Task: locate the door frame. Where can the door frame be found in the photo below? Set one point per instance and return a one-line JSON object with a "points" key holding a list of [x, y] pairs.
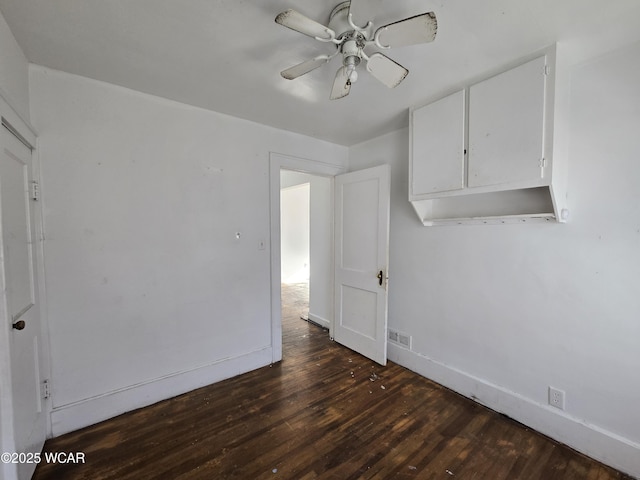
{"points": [[277, 162]]}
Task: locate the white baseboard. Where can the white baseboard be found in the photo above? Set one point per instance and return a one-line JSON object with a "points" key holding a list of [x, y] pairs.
{"points": [[596, 442], [74, 416], [323, 322]]}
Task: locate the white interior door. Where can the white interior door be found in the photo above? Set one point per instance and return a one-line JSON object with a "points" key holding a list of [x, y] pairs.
{"points": [[362, 257], [22, 419]]}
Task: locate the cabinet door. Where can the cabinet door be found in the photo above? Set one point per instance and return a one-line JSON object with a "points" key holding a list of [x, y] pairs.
{"points": [[437, 156], [506, 126]]}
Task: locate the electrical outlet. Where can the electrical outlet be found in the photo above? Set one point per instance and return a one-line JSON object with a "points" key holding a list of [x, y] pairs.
{"points": [[556, 398]]}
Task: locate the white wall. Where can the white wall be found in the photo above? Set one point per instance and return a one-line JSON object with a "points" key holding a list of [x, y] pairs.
{"points": [[502, 312], [294, 233], [149, 292], [321, 252], [14, 72]]}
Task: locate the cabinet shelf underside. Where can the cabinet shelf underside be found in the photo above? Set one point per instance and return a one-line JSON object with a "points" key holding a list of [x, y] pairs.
{"points": [[530, 204]]}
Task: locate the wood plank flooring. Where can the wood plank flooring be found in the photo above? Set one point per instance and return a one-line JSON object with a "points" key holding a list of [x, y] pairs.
{"points": [[324, 412]]}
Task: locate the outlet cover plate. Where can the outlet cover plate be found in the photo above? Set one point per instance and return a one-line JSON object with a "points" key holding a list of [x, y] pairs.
{"points": [[556, 398]]}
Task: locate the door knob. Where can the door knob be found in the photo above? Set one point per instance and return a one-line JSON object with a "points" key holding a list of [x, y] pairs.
{"points": [[19, 325]]}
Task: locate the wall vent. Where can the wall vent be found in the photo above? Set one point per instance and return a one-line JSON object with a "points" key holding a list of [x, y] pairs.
{"points": [[404, 340], [399, 338]]}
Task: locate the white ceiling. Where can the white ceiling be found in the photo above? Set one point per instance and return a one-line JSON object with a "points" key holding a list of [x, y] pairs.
{"points": [[226, 55]]}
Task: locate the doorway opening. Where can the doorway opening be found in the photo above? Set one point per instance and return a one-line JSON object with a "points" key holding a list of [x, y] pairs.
{"points": [[305, 246]]}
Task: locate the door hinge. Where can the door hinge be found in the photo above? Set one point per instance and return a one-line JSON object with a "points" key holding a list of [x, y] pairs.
{"points": [[35, 190], [46, 390], [543, 162], [547, 69]]}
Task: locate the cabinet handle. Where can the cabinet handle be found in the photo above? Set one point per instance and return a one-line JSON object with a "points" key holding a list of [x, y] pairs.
{"points": [[380, 276]]}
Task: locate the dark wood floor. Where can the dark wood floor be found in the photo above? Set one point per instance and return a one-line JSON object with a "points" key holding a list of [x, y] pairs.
{"points": [[323, 412]]}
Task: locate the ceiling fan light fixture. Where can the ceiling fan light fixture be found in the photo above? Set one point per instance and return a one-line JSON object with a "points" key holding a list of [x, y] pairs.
{"points": [[352, 55], [352, 74], [350, 62]]}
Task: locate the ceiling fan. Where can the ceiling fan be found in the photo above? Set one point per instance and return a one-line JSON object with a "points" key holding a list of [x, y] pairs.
{"points": [[351, 40]]}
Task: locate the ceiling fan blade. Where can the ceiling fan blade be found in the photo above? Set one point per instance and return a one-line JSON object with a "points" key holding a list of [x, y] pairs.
{"points": [[410, 31], [298, 22], [341, 84], [305, 67], [386, 70], [363, 10]]}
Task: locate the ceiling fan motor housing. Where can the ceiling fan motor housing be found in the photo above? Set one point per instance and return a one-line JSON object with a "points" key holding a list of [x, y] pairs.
{"points": [[352, 48]]}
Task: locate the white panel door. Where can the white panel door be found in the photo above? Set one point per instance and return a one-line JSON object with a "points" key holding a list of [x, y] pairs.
{"points": [[23, 420], [437, 146], [506, 126], [362, 257]]}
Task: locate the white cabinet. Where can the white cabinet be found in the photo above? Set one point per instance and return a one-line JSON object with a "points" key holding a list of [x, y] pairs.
{"points": [[495, 151]]}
